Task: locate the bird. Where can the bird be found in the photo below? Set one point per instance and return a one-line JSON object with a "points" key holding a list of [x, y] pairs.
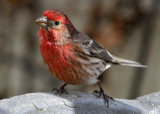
{"points": [[73, 57]]}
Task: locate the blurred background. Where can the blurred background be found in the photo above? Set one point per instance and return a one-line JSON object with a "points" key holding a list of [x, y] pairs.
{"points": [[127, 28]]}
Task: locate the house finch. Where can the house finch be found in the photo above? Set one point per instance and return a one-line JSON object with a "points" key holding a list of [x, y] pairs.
{"points": [[72, 56]]}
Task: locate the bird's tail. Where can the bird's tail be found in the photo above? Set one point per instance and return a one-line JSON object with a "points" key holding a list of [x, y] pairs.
{"points": [[126, 62]]}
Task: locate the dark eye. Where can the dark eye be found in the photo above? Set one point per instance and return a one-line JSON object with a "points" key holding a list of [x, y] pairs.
{"points": [[57, 23]]}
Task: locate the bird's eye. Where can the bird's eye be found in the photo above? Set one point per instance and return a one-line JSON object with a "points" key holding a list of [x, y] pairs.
{"points": [[57, 23]]}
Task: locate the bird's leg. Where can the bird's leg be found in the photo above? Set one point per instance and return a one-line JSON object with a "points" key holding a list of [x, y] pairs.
{"points": [[102, 93], [61, 90]]}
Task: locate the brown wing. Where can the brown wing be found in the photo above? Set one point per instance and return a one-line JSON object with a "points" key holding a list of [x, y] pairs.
{"points": [[93, 49]]}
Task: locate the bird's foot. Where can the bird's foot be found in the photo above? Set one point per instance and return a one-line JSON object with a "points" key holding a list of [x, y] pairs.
{"points": [[61, 90], [102, 93]]}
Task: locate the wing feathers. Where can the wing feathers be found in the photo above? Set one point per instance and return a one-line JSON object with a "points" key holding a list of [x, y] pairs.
{"points": [[93, 49]]}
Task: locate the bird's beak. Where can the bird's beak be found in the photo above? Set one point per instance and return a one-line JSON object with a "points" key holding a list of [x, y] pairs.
{"points": [[42, 21]]}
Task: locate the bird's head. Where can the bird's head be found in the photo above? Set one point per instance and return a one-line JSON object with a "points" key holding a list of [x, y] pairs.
{"points": [[56, 23]]}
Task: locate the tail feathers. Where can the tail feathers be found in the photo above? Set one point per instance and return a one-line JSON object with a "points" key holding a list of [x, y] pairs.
{"points": [[126, 62]]}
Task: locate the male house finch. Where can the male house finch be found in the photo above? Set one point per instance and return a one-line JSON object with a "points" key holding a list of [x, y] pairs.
{"points": [[71, 56]]}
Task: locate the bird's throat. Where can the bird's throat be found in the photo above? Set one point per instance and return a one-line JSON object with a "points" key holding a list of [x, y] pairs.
{"points": [[54, 36]]}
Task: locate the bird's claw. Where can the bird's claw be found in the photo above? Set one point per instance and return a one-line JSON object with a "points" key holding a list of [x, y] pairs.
{"points": [[61, 90], [97, 93], [105, 96]]}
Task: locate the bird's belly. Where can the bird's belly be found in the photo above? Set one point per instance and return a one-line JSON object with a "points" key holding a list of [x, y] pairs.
{"points": [[67, 72], [92, 67]]}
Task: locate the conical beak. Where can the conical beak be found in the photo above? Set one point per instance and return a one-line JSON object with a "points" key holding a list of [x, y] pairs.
{"points": [[42, 21]]}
